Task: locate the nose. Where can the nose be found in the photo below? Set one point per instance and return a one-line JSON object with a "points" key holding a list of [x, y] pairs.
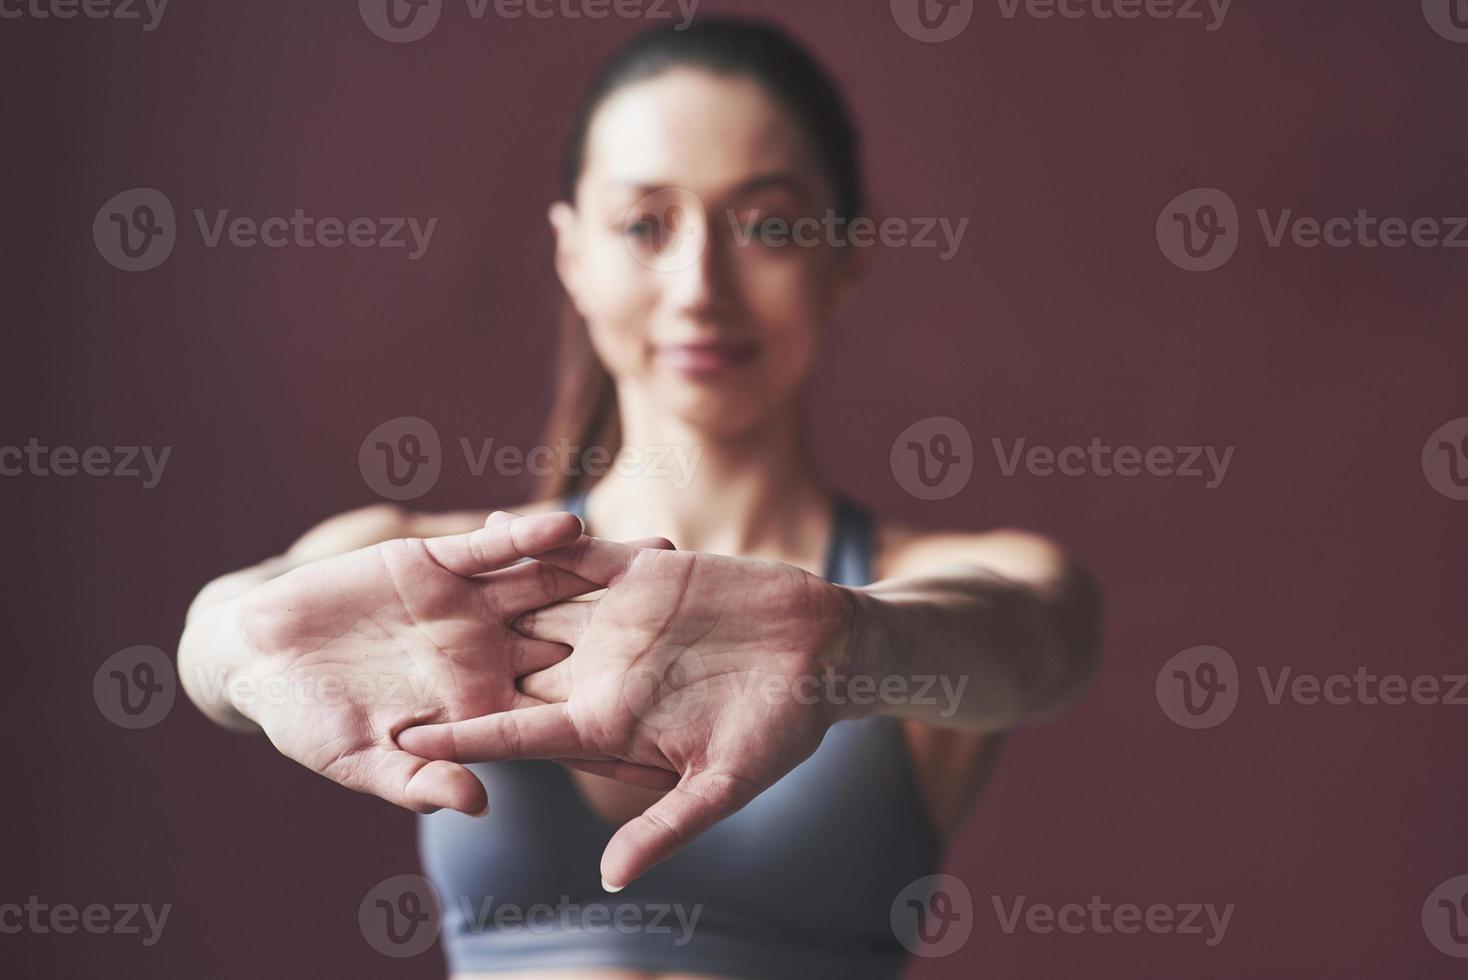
{"points": [[700, 287]]}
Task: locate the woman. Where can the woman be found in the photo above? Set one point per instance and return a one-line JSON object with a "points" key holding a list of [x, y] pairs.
{"points": [[745, 724]]}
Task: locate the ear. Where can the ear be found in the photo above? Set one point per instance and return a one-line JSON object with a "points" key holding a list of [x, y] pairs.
{"points": [[562, 217]]}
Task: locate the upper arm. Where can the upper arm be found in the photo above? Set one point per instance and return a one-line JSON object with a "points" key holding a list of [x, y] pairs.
{"points": [[351, 530], [951, 765], [1019, 556]]}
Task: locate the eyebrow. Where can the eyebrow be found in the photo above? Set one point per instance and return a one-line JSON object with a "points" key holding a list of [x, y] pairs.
{"points": [[777, 180]]}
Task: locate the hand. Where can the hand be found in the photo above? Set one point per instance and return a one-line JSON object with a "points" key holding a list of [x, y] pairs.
{"points": [[336, 657], [691, 663]]}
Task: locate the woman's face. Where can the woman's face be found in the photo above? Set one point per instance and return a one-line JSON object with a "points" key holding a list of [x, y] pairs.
{"points": [[670, 252]]}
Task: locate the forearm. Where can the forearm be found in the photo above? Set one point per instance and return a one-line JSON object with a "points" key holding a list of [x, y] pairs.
{"points": [[970, 649]]}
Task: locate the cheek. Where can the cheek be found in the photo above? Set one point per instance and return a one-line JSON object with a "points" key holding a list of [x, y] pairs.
{"points": [[617, 298], [790, 296]]}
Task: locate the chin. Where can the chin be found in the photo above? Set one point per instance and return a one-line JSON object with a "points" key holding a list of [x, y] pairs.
{"points": [[720, 411]]}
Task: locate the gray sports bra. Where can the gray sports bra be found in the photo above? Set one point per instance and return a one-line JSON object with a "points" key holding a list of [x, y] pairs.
{"points": [[798, 884]]}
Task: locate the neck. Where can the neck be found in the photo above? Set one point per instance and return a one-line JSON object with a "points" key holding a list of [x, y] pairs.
{"points": [[755, 493]]}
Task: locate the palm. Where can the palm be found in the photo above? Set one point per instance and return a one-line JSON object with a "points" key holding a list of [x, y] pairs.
{"points": [[348, 651], [696, 665], [689, 665]]}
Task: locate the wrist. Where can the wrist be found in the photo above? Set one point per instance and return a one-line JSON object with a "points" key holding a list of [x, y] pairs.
{"points": [[853, 668], [211, 656]]}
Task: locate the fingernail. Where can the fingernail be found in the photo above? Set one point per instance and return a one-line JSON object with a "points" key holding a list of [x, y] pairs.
{"points": [[611, 888]]}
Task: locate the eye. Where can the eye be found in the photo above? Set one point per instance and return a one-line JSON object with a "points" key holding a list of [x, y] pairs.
{"points": [[773, 224], [642, 228], [764, 227]]}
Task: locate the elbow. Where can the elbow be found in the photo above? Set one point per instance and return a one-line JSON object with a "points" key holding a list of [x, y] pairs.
{"points": [[1068, 619]]}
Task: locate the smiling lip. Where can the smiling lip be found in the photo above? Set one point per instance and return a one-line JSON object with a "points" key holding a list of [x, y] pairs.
{"points": [[706, 358]]}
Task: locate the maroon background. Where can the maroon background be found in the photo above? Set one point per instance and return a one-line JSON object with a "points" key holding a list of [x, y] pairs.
{"points": [[1325, 548]]}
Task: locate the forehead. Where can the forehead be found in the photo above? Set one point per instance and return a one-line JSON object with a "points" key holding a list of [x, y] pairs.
{"points": [[695, 129]]}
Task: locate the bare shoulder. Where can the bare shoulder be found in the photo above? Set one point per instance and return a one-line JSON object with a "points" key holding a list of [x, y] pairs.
{"points": [[1015, 553]]}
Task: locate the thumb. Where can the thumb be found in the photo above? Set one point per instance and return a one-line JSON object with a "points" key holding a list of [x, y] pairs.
{"points": [[503, 542], [417, 784], [698, 802]]}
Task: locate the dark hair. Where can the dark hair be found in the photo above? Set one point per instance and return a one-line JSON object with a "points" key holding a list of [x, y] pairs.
{"points": [[585, 408]]}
